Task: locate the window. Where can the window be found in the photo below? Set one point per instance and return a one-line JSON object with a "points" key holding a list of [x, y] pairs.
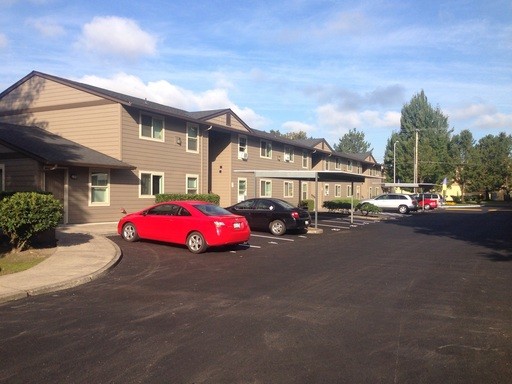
{"points": [[265, 149], [326, 164], [192, 183], [288, 189], [359, 169], [337, 190], [151, 184], [192, 138], [326, 189], [152, 127], [265, 188], [288, 154], [99, 192], [305, 159], [338, 163], [304, 191], [349, 190], [358, 192], [242, 147], [2, 177], [349, 166]]}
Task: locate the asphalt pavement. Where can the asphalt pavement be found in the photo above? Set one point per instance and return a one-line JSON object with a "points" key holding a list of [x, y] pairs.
{"points": [[83, 253]]}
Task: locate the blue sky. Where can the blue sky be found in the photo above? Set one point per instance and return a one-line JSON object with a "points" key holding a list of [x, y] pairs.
{"points": [[324, 67]]}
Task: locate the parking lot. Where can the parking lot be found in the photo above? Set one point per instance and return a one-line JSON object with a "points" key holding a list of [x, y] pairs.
{"points": [[422, 298]]}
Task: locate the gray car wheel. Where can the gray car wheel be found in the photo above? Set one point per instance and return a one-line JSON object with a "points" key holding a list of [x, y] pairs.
{"points": [[277, 228], [196, 243], [403, 209], [129, 232]]}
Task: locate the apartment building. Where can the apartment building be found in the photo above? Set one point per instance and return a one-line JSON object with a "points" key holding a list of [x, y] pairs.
{"points": [[102, 152]]}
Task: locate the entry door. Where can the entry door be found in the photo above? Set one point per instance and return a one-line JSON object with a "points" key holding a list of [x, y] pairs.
{"points": [[55, 182], [242, 189]]}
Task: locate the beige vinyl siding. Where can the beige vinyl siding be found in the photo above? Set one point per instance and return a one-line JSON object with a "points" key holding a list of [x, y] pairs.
{"points": [[22, 174], [223, 182], [233, 122]]}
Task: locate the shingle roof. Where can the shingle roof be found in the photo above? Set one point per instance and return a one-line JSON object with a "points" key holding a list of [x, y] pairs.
{"points": [[49, 148]]}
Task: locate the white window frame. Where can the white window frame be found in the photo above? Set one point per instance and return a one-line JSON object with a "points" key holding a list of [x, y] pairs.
{"points": [[305, 159], [190, 139], [187, 177], [337, 165], [242, 150], [326, 189], [265, 182], [349, 190], [349, 165], [304, 190], [152, 174], [358, 191], [337, 190], [152, 137], [288, 189], [106, 188], [265, 149], [326, 164], [359, 168], [2, 177], [289, 156]]}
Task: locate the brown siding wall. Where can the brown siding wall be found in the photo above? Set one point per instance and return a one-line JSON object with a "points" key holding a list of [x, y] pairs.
{"points": [[22, 174]]}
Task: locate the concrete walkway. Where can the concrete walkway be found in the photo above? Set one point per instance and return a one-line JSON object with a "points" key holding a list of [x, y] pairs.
{"points": [[83, 253]]}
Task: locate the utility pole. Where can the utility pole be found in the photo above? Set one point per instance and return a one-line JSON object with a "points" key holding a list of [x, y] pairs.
{"points": [[416, 160]]}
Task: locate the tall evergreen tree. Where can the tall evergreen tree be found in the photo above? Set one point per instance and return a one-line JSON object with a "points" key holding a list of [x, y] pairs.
{"points": [[431, 126], [352, 142], [463, 153]]}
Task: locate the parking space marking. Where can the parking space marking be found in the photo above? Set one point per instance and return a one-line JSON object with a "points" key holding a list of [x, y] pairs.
{"points": [[333, 226], [272, 237]]}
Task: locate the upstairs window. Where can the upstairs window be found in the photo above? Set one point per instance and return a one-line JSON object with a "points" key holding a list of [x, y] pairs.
{"points": [[151, 127], [242, 147], [305, 157], [265, 149], [288, 154], [349, 166], [192, 138], [337, 165]]}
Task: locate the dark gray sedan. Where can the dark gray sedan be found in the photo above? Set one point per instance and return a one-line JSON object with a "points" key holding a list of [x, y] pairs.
{"points": [[274, 215]]}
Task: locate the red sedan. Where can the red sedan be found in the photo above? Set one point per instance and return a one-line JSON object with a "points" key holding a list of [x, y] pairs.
{"points": [[425, 202], [196, 224]]}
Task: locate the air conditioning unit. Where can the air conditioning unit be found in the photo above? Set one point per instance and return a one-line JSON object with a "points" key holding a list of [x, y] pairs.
{"points": [[244, 155], [286, 157]]}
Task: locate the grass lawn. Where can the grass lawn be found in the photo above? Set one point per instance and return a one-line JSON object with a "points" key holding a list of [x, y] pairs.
{"points": [[12, 262]]}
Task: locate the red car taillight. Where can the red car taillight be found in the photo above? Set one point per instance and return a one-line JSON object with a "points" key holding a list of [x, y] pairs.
{"points": [[295, 215]]}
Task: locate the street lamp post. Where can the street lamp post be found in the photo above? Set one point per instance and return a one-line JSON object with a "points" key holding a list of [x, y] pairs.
{"points": [[394, 161], [416, 160]]}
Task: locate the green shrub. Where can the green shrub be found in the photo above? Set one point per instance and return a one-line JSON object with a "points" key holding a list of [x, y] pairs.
{"points": [[23, 215], [308, 204], [339, 205], [367, 208], [210, 197]]}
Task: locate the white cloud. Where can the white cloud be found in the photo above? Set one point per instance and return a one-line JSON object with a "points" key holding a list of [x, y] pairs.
{"points": [[45, 27], [116, 36], [165, 93], [496, 121], [471, 111]]}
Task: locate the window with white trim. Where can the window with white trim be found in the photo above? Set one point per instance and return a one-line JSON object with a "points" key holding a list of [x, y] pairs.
{"points": [[265, 188], [2, 177], [337, 190], [358, 192], [305, 156], [304, 191], [337, 165], [326, 164], [349, 165], [349, 190], [99, 187], [326, 189], [288, 154], [266, 149], [242, 147], [192, 138], [359, 168], [151, 127], [151, 183], [192, 184], [288, 189]]}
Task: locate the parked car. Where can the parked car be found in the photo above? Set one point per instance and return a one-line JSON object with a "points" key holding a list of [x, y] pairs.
{"points": [[425, 202], [196, 224], [400, 202], [434, 196], [274, 215]]}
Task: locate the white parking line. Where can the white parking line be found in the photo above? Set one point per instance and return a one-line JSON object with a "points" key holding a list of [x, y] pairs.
{"points": [[333, 226], [272, 237]]}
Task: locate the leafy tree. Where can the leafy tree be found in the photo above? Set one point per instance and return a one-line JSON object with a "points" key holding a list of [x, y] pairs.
{"points": [[352, 142], [463, 153], [290, 135], [493, 164], [431, 126]]}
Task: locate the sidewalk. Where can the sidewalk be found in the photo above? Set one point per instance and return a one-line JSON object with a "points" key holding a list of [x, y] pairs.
{"points": [[83, 253]]}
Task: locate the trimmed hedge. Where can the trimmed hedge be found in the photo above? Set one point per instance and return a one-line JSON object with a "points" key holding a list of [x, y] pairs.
{"points": [[339, 205], [24, 215], [210, 197], [307, 204]]}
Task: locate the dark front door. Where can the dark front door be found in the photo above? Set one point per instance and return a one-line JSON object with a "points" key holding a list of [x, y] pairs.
{"points": [[54, 183]]}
